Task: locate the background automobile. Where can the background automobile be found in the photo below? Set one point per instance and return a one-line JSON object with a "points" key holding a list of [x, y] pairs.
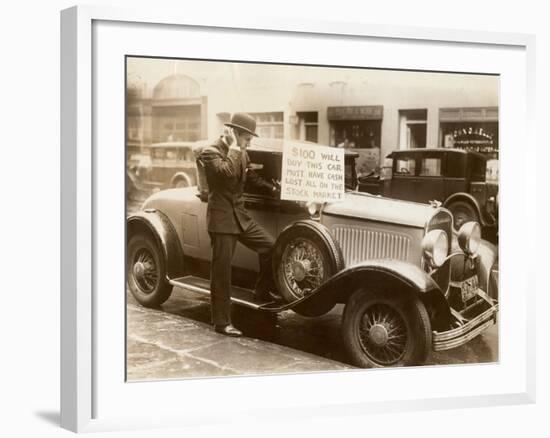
{"points": [[169, 165], [407, 285], [454, 177]]}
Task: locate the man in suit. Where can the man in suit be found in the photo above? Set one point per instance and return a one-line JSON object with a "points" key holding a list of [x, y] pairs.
{"points": [[226, 165]]}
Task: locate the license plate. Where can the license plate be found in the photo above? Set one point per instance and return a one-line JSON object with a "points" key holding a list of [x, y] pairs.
{"points": [[468, 288]]}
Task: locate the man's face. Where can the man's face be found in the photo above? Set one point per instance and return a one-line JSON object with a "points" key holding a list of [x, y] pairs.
{"points": [[243, 140]]}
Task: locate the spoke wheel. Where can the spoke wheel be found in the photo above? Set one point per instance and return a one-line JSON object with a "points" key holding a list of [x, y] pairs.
{"points": [[303, 267], [146, 275], [145, 270], [383, 334], [305, 257], [383, 329]]}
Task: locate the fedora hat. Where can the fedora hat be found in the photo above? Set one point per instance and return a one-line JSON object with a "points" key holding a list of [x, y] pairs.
{"points": [[244, 122]]}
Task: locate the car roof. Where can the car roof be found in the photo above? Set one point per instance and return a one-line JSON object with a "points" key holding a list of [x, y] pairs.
{"points": [[420, 151]]}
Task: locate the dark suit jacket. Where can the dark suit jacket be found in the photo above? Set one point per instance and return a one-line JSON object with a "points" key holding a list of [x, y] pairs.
{"points": [[226, 175]]}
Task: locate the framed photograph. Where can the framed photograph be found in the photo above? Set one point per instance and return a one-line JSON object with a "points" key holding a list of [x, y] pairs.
{"points": [[280, 208]]}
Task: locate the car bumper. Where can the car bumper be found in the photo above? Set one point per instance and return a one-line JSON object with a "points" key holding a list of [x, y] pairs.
{"points": [[461, 335]]}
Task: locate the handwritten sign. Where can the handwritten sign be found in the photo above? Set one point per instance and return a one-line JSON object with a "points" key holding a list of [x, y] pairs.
{"points": [[312, 173]]}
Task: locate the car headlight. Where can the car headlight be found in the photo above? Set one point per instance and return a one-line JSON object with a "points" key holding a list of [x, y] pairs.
{"points": [[312, 208], [435, 245], [469, 237]]}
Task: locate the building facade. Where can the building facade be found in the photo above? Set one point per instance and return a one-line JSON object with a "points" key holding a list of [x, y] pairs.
{"points": [[374, 111]]}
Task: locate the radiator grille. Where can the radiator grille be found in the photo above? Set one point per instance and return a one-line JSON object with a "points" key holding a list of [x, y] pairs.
{"points": [[360, 244]]}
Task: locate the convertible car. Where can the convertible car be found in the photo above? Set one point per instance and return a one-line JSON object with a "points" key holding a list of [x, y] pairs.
{"points": [[409, 283]]}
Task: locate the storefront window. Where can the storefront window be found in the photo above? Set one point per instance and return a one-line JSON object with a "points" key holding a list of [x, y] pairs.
{"points": [[355, 126], [357, 133], [176, 123]]}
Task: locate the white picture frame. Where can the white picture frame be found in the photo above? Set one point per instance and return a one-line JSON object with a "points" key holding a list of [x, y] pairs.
{"points": [[85, 380]]}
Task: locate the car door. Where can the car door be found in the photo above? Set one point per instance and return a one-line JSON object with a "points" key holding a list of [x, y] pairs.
{"points": [[403, 178], [430, 183], [456, 175]]}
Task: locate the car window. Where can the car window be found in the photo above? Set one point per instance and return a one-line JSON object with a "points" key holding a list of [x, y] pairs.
{"points": [[430, 167], [171, 154], [405, 166], [185, 154], [158, 153]]}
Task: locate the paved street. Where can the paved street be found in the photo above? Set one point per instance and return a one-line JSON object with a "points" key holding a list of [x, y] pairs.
{"points": [[178, 342]]}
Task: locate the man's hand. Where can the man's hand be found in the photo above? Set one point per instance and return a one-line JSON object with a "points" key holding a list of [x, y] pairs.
{"points": [[276, 187]]}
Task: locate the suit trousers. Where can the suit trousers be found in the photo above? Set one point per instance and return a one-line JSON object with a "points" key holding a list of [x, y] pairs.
{"points": [[223, 248]]}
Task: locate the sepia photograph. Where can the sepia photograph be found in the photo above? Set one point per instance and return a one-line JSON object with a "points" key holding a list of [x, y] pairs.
{"points": [[286, 218]]}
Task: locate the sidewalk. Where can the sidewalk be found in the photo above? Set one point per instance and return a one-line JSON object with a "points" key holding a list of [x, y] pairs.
{"points": [[165, 345]]}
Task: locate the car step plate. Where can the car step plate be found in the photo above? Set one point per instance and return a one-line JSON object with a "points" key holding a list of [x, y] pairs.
{"points": [[239, 295]]}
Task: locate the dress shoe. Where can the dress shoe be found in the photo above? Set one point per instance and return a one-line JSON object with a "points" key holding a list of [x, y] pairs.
{"points": [[228, 330]]}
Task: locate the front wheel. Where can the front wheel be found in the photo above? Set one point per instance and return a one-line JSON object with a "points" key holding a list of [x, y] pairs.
{"points": [[146, 274], [385, 330]]}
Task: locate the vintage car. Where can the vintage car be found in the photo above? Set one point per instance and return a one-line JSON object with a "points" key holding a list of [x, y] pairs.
{"points": [[408, 286], [172, 165], [454, 177]]}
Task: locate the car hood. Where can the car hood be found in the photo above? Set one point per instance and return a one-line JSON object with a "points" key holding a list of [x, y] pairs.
{"points": [[380, 209]]}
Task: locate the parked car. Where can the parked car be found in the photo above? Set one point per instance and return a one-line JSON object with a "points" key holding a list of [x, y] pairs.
{"points": [[172, 165], [454, 177], [407, 285]]}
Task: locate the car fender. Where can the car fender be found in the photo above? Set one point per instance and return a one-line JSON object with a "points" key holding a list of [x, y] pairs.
{"points": [[390, 276], [158, 225], [486, 266], [462, 196], [181, 175]]}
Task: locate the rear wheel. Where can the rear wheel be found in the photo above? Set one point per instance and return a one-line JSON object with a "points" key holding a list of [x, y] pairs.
{"points": [[382, 330], [463, 212], [146, 274]]}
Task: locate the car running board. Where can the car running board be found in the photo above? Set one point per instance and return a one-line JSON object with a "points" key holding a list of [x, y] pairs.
{"points": [[239, 295]]}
